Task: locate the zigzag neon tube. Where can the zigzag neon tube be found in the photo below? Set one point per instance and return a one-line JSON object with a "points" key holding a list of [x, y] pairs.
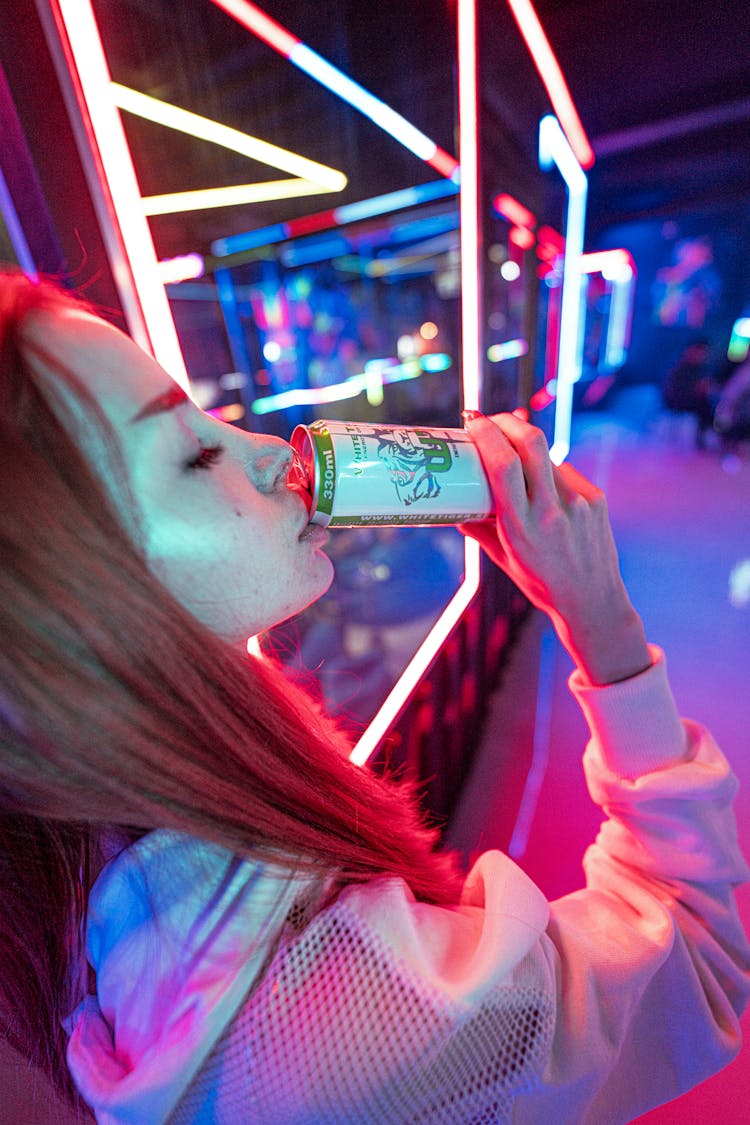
{"points": [[313, 64]]}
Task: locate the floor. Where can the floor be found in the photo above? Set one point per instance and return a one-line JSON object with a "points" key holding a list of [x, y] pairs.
{"points": [[682, 523]]}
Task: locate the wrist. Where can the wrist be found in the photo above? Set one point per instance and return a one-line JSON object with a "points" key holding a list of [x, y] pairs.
{"points": [[609, 648]]}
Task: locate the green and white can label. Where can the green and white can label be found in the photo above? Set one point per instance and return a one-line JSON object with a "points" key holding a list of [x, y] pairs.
{"points": [[361, 474]]}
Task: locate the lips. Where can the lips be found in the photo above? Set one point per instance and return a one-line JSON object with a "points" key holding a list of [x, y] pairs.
{"points": [[313, 533]]}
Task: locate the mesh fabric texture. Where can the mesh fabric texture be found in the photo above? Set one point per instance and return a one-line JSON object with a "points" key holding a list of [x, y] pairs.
{"points": [[341, 1031]]}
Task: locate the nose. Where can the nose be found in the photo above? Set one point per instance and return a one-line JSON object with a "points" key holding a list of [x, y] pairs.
{"points": [[269, 462]]}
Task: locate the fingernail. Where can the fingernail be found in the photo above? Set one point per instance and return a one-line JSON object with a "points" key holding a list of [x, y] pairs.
{"points": [[470, 415]]}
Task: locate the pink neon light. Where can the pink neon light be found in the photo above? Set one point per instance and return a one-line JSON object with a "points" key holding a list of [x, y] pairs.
{"points": [[553, 79], [550, 243], [311, 224], [542, 398], [522, 237], [471, 265], [255, 20], [514, 211], [444, 163]]}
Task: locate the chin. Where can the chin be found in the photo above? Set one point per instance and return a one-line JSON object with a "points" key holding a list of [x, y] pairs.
{"points": [[329, 573]]}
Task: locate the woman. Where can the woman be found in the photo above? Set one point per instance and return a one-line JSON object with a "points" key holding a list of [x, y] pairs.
{"points": [[209, 914]]}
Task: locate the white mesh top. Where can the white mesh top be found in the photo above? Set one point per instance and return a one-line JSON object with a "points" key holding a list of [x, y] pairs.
{"points": [[219, 1001]]}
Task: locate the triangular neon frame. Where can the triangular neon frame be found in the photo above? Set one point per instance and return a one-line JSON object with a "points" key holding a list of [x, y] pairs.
{"points": [[311, 177]]}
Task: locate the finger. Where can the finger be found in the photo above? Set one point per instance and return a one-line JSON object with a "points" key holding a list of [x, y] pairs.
{"points": [[571, 483], [501, 463], [533, 451]]}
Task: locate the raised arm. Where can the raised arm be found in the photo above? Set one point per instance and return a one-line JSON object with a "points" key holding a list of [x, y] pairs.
{"points": [[552, 537]]}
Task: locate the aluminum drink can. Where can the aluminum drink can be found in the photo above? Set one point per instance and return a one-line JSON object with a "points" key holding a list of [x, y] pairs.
{"points": [[358, 474]]}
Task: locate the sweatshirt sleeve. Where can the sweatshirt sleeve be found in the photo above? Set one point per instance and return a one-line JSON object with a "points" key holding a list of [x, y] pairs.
{"points": [[586, 1011], [650, 961]]}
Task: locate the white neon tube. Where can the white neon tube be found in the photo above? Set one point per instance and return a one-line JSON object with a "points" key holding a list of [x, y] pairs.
{"points": [[554, 149], [204, 128], [471, 367], [620, 312], [93, 74], [422, 659], [235, 195]]}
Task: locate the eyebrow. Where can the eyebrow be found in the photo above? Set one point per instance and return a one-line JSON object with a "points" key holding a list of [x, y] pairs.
{"points": [[164, 402]]}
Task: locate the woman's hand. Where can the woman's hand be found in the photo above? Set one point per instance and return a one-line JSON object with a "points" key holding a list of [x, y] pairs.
{"points": [[552, 537]]}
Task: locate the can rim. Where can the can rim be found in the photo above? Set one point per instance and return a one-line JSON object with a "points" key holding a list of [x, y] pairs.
{"points": [[302, 443]]}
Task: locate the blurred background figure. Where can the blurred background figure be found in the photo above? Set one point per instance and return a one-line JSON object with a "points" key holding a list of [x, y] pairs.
{"points": [[732, 413], [689, 388]]}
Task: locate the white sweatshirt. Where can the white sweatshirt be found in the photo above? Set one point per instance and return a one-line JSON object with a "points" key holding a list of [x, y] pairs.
{"points": [[587, 1011]]}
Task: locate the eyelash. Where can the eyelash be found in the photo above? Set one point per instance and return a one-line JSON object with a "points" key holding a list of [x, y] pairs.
{"points": [[208, 456]]}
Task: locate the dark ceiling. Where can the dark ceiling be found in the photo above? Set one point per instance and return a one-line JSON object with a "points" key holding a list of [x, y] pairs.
{"points": [[663, 90]]}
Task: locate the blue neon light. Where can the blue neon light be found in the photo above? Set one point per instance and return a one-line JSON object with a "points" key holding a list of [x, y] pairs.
{"points": [[250, 240], [356, 95], [315, 249], [429, 226], [228, 301], [436, 361], [15, 231], [380, 371], [620, 309], [395, 201], [347, 213]]}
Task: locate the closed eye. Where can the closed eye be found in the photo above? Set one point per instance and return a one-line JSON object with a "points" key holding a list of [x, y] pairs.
{"points": [[207, 457]]}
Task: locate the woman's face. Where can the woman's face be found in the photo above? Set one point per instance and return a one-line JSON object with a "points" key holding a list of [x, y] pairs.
{"points": [[222, 531]]}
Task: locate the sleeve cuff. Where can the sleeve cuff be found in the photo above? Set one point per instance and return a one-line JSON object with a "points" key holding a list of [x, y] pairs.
{"points": [[634, 723]]}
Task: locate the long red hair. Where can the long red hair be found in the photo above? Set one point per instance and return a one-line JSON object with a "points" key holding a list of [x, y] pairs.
{"points": [[118, 708]]}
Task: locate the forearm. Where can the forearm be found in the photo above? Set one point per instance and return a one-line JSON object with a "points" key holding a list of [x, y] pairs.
{"points": [[608, 646]]}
